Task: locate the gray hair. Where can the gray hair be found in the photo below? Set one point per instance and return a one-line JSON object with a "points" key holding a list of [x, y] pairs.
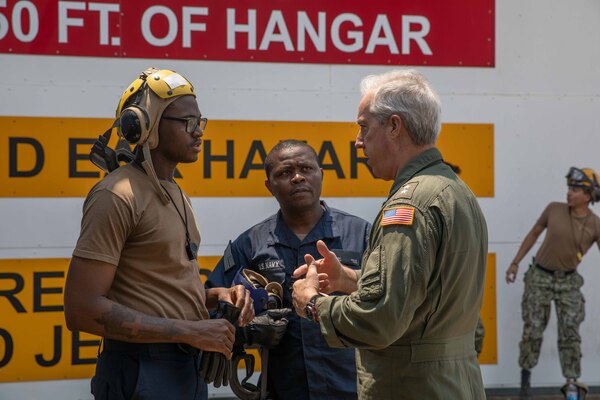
{"points": [[408, 94]]}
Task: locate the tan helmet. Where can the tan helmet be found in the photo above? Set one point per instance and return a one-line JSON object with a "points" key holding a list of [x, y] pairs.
{"points": [[144, 101]]}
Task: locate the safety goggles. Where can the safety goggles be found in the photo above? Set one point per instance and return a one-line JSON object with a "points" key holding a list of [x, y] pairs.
{"points": [[576, 177]]}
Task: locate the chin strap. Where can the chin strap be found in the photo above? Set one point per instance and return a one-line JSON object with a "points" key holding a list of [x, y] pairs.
{"points": [[147, 165]]}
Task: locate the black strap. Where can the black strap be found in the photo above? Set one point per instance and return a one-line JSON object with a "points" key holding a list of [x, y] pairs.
{"points": [[264, 359], [106, 158], [243, 390], [554, 271]]}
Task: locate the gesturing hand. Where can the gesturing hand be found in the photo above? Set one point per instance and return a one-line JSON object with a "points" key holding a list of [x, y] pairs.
{"points": [[304, 289], [331, 274]]}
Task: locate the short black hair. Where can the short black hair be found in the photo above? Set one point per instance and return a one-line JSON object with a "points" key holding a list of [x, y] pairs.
{"points": [[285, 145]]}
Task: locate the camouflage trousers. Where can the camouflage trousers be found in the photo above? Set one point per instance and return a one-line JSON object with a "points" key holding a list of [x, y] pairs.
{"points": [[541, 288], [479, 335]]}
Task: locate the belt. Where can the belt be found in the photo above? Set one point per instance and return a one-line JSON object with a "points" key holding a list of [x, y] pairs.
{"points": [[149, 348], [434, 349], [554, 272]]}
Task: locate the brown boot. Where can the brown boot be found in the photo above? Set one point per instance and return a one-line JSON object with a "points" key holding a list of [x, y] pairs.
{"points": [[525, 393]]}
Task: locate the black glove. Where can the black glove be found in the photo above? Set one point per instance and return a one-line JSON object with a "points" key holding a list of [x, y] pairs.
{"points": [[214, 367], [267, 328]]}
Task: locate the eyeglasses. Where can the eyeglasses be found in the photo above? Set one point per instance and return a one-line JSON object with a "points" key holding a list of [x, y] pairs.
{"points": [[191, 123]]}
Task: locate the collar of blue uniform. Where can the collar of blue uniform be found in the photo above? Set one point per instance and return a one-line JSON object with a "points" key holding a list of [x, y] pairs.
{"points": [[422, 161], [281, 234]]}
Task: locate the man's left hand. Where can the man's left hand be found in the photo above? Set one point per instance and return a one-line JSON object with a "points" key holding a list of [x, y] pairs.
{"points": [[240, 297], [304, 289]]}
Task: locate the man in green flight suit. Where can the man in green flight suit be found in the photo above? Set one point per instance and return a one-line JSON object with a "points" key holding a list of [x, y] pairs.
{"points": [[411, 311]]}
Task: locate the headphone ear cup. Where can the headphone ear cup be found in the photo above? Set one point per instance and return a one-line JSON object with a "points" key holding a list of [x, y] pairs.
{"points": [[134, 124]]}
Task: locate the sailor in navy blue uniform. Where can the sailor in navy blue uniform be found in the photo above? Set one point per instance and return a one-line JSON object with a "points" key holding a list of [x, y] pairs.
{"points": [[302, 366]]}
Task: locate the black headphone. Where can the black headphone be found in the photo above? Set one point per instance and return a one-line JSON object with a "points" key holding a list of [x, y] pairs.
{"points": [[134, 121], [595, 192]]}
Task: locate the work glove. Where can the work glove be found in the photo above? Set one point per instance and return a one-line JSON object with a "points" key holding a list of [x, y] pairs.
{"points": [[267, 328], [214, 367]]}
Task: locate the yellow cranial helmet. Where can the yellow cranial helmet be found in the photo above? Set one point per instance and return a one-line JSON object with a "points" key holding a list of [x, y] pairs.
{"points": [[144, 101], [585, 178]]}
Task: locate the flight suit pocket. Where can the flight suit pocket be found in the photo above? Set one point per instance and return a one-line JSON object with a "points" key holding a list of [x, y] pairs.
{"points": [[372, 281], [348, 257]]}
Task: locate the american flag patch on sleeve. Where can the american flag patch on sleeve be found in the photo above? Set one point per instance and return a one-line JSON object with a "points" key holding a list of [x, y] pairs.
{"points": [[398, 216]]}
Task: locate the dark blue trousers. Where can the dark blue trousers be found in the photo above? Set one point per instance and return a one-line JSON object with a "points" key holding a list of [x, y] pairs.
{"points": [[157, 371]]}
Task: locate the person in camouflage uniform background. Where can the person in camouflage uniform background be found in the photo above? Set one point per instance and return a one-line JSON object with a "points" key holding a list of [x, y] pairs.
{"points": [[571, 229], [540, 289], [479, 335]]}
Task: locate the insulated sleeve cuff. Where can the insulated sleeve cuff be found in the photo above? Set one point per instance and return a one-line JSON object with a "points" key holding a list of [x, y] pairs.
{"points": [[358, 274]]}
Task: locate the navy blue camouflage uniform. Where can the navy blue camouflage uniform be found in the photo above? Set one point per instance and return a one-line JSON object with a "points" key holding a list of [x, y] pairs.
{"points": [[302, 366]]}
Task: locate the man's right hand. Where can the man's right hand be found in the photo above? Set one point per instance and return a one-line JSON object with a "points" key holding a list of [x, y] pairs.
{"points": [[213, 335], [511, 273], [333, 276]]}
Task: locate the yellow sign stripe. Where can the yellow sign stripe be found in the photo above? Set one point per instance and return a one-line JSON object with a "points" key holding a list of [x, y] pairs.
{"points": [[489, 352], [35, 343], [47, 157]]}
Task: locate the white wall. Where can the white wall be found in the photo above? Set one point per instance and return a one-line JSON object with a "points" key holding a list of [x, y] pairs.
{"points": [[543, 98]]}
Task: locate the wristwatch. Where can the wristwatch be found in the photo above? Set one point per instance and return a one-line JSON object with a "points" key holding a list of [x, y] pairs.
{"points": [[311, 308]]}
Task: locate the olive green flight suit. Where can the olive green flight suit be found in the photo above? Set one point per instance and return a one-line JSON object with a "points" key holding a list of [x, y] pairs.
{"points": [[414, 314]]}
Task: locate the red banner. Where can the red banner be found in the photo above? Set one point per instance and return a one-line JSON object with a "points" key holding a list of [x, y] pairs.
{"points": [[384, 32]]}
